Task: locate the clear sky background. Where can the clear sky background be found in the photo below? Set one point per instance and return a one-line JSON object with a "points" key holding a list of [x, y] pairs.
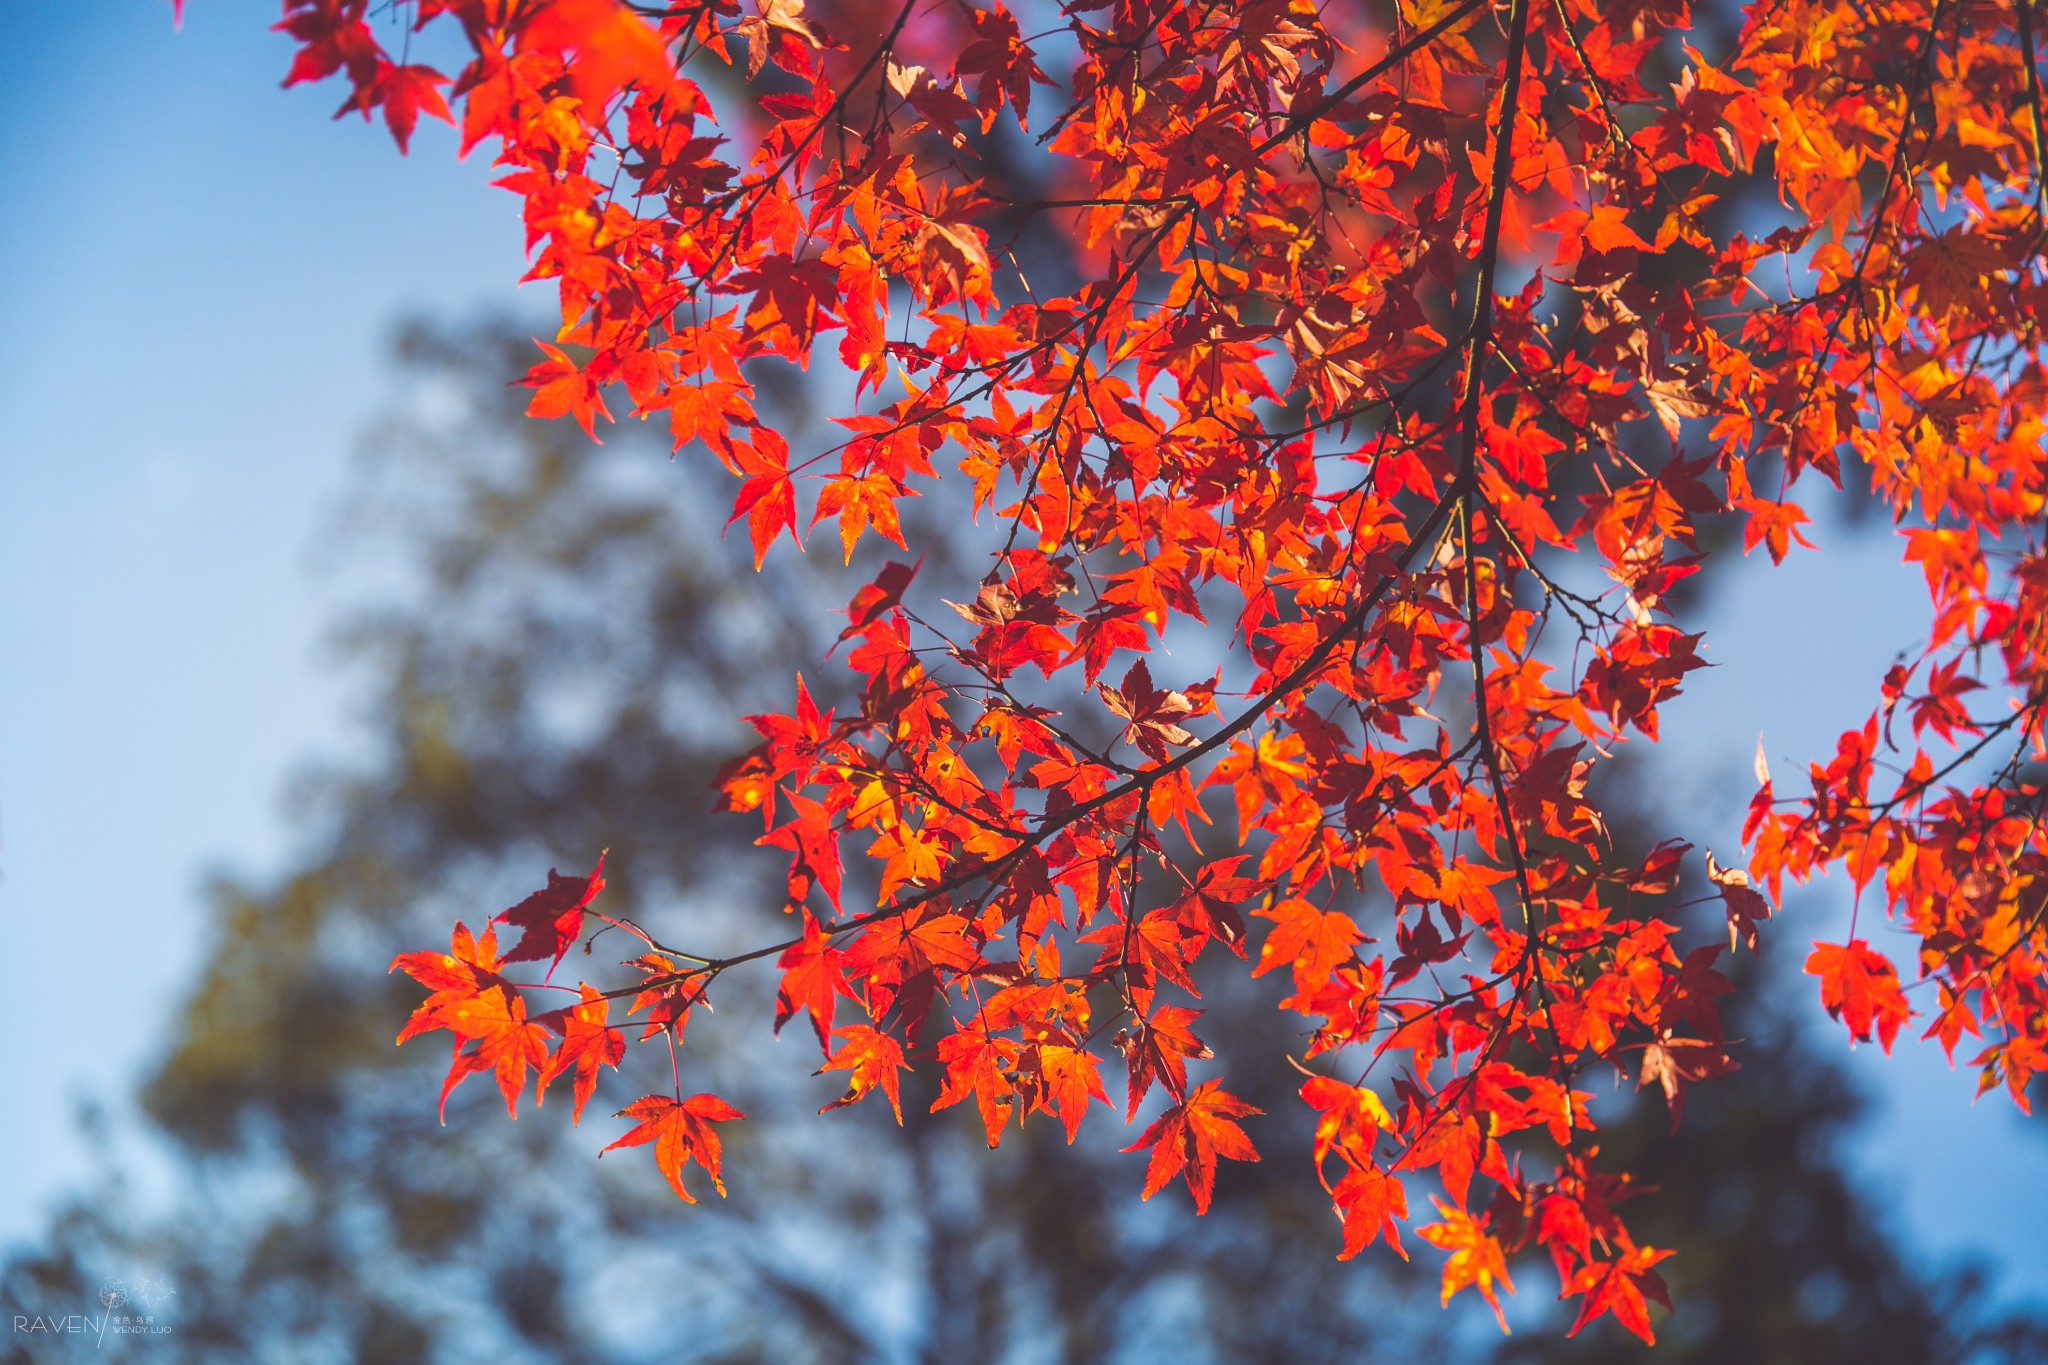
{"points": [[199, 274]]}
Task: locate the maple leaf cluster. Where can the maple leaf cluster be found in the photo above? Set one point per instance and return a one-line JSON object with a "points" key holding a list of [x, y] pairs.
{"points": [[1386, 325]]}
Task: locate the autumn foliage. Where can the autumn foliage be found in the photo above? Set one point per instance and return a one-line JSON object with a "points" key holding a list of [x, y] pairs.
{"points": [[1398, 363]]}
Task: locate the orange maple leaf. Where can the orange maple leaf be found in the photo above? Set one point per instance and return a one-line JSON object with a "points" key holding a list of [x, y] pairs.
{"points": [[469, 966], [493, 1034], [1071, 1076], [1313, 942], [874, 1059], [1476, 1258], [587, 1044], [681, 1131]]}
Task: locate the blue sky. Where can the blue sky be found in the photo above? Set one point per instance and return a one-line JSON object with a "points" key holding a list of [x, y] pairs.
{"points": [[200, 273], [1799, 650]]}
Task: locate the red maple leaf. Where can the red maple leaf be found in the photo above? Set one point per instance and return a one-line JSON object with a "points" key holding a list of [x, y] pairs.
{"points": [[1372, 1204], [1160, 1049], [1187, 1139], [1861, 988], [611, 47], [552, 918], [1621, 1287], [812, 982], [406, 92], [562, 388]]}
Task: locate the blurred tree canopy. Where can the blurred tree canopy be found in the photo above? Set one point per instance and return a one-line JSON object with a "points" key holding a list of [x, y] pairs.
{"points": [[555, 672]]}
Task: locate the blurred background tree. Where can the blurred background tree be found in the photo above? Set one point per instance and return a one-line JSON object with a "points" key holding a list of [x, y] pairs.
{"points": [[559, 669]]}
